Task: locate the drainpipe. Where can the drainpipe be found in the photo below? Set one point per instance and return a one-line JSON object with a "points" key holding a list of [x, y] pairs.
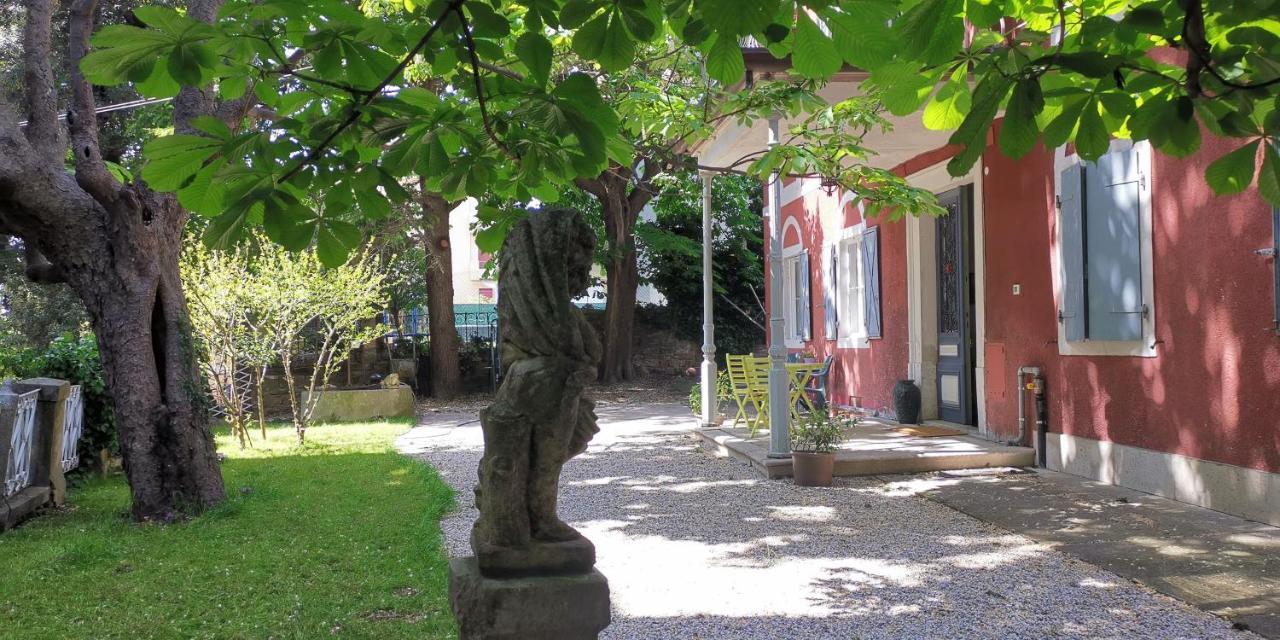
{"points": [[1042, 423], [1023, 372]]}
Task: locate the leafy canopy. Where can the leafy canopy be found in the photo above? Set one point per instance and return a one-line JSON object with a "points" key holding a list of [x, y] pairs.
{"points": [[467, 93]]}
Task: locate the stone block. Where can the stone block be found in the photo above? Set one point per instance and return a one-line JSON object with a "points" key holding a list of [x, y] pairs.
{"points": [[562, 607], [348, 405]]}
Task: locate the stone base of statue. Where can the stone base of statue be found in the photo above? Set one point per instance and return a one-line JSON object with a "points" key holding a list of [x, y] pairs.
{"points": [[546, 607]]}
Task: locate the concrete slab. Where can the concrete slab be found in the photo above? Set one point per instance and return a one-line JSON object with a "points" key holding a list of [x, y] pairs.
{"points": [[1219, 563], [874, 448]]}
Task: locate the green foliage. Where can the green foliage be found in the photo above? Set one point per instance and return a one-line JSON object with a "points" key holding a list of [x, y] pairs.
{"points": [[671, 258], [819, 432], [73, 358], [33, 314], [254, 306], [724, 389], [1075, 72], [538, 95], [284, 542]]}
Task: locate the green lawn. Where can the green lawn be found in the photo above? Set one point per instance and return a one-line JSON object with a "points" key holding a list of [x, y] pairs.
{"points": [[335, 539]]}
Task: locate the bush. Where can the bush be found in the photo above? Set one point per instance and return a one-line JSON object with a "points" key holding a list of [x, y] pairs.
{"points": [[724, 391], [75, 359], [820, 433]]}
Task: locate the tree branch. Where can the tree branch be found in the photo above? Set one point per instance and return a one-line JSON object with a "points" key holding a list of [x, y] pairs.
{"points": [[91, 172], [480, 98], [351, 118], [42, 97]]}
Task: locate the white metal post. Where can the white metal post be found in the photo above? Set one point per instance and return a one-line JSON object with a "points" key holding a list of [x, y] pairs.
{"points": [[709, 408], [779, 429]]}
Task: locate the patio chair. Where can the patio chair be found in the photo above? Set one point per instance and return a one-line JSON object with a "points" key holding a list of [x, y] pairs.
{"points": [[739, 388], [758, 390], [817, 387]]}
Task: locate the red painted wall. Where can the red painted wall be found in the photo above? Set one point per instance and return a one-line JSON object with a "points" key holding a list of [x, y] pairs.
{"points": [[864, 377], [1213, 391]]}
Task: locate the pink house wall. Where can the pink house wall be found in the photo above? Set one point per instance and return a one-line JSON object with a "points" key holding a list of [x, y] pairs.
{"points": [[1212, 391]]}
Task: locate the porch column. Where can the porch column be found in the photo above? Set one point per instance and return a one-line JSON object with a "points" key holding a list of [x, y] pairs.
{"points": [[779, 433], [709, 408]]}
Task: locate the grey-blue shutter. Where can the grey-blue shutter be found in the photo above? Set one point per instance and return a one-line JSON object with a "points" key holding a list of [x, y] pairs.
{"points": [[1113, 257], [1071, 240], [831, 315], [806, 307], [1275, 260], [871, 280]]}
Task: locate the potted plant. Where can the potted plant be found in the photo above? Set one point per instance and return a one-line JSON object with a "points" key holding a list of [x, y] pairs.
{"points": [[814, 441], [808, 356]]}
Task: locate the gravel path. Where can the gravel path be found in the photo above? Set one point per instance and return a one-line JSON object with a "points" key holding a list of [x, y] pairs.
{"points": [[697, 547]]}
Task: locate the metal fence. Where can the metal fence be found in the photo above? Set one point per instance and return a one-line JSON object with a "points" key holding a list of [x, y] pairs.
{"points": [[477, 329], [17, 471], [72, 429]]}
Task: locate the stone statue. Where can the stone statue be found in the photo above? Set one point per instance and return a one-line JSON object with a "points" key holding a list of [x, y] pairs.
{"points": [[540, 416]]}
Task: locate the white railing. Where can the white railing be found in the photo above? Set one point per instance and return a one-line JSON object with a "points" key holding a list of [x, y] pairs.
{"points": [[17, 475], [72, 429]]}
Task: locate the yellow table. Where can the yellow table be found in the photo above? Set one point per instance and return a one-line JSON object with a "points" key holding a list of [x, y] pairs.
{"points": [[800, 373]]}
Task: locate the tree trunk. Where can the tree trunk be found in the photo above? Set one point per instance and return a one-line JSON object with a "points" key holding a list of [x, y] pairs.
{"points": [[446, 376], [622, 194], [134, 297], [623, 278], [117, 246]]}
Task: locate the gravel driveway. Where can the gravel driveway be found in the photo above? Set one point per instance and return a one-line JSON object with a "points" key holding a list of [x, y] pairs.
{"points": [[697, 547]]}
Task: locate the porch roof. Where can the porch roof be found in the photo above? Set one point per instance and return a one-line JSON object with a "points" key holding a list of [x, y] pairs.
{"points": [[731, 141]]}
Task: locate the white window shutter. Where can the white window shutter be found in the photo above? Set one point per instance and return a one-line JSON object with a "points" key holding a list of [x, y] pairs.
{"points": [[871, 280], [1071, 239], [830, 303], [806, 306]]}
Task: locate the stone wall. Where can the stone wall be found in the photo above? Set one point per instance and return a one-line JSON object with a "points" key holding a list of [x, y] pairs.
{"points": [[657, 349]]}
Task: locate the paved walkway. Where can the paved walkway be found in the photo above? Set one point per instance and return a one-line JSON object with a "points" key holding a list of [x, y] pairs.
{"points": [[1217, 562], [697, 547]]}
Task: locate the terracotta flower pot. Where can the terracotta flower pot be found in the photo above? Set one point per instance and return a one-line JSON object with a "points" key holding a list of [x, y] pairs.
{"points": [[812, 469]]}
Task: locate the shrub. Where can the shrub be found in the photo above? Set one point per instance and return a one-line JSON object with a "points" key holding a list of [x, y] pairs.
{"points": [[724, 391], [819, 432], [73, 358]]}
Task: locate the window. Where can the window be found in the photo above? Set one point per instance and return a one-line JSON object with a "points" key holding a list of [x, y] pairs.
{"points": [[853, 275], [795, 301], [1104, 241], [849, 296]]}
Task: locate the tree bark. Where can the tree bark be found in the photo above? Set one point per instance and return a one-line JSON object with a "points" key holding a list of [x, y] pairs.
{"points": [[117, 247], [446, 376], [620, 301], [622, 195]]}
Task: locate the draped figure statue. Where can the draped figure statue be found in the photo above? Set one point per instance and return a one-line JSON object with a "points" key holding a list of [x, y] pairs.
{"points": [[540, 416]]}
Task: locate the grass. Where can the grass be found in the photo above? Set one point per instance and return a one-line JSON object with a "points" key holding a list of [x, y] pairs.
{"points": [[338, 538]]}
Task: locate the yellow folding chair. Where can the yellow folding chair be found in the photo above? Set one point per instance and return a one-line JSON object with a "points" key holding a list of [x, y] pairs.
{"points": [[758, 387], [739, 388]]}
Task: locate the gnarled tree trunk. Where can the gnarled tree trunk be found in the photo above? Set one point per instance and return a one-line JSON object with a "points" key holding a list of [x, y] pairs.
{"points": [[446, 376], [622, 195], [117, 246]]}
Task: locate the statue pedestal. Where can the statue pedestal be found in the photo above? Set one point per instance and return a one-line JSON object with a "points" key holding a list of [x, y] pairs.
{"points": [[559, 607]]}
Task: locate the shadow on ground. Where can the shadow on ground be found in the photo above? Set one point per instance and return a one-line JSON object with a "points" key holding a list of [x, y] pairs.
{"points": [[700, 547]]}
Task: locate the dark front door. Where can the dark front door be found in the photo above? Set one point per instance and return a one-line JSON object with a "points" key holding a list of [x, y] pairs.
{"points": [[956, 402]]}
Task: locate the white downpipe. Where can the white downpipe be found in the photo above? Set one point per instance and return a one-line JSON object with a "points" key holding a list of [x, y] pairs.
{"points": [[709, 408], [779, 429]]}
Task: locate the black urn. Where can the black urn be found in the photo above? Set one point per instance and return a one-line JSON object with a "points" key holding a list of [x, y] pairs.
{"points": [[906, 402]]}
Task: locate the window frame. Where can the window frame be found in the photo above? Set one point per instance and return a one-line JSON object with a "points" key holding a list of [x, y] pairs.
{"points": [[852, 330], [1145, 346], [792, 337]]}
